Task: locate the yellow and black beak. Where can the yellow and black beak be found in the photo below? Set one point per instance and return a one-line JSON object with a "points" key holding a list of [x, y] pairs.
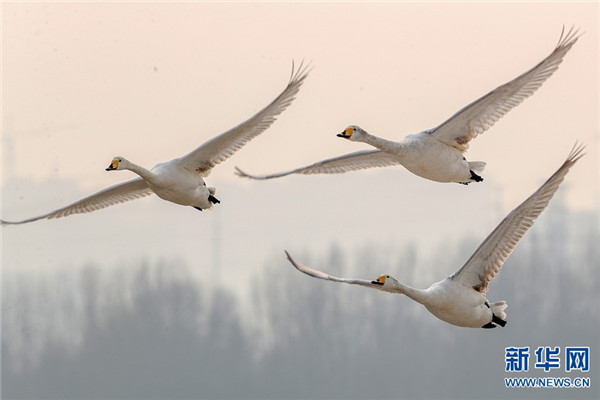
{"points": [[379, 281], [346, 133], [113, 165]]}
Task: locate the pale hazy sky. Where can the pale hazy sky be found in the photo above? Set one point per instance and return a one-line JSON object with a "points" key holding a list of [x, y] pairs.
{"points": [[83, 82]]}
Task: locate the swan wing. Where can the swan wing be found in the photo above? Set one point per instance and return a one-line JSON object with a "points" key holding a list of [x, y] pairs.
{"points": [[489, 257], [349, 162], [120, 193], [484, 112], [218, 149], [322, 275]]}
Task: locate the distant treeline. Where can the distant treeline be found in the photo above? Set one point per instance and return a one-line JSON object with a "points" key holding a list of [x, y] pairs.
{"points": [[152, 331]]}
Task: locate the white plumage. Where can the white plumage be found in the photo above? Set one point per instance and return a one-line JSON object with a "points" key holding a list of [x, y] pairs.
{"points": [[437, 154], [460, 299], [180, 180]]}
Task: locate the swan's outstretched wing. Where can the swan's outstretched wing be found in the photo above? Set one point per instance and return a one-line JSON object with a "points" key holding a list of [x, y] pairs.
{"points": [[489, 257], [218, 149], [322, 275], [129, 190], [350, 162], [481, 114]]}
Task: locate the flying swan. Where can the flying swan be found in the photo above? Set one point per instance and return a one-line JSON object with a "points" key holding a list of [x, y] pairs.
{"points": [[180, 180], [437, 154], [460, 299]]}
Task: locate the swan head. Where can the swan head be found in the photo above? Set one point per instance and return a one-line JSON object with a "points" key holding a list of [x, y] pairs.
{"points": [[117, 163], [352, 132], [386, 283]]}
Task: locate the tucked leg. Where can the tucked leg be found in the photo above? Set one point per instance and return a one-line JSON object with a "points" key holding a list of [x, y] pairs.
{"points": [[498, 321], [475, 177]]}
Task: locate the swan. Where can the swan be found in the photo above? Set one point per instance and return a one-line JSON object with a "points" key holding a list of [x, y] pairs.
{"points": [[460, 299], [437, 154], [181, 180]]}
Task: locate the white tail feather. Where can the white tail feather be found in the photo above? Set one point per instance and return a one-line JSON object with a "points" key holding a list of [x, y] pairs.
{"points": [[476, 166], [498, 309]]}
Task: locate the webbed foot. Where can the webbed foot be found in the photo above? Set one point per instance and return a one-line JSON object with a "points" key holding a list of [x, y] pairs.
{"points": [[497, 320], [475, 177]]}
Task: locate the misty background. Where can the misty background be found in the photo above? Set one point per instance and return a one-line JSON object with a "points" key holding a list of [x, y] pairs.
{"points": [[153, 330], [152, 300]]}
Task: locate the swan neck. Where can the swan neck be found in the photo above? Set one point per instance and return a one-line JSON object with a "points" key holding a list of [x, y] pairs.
{"points": [[417, 295], [381, 144], [141, 171]]}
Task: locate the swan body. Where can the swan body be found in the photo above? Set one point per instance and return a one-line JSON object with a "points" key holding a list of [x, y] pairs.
{"points": [[180, 181], [437, 154], [449, 301], [423, 155], [171, 182], [460, 299]]}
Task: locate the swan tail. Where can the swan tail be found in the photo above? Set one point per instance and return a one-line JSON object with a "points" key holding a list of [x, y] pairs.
{"points": [[476, 166], [498, 309]]}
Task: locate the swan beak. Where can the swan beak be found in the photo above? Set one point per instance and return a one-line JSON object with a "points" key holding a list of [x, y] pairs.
{"points": [[113, 165], [345, 134], [379, 281]]}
